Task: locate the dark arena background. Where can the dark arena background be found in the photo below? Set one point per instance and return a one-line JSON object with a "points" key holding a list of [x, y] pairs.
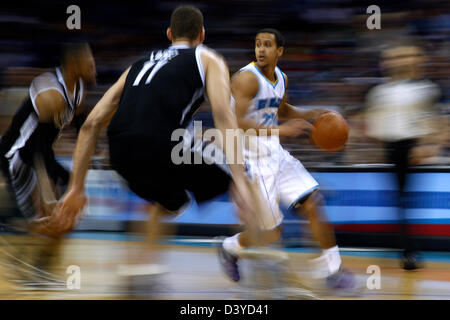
{"points": [[332, 58]]}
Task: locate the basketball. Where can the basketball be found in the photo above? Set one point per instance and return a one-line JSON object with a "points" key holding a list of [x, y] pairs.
{"points": [[330, 131]]}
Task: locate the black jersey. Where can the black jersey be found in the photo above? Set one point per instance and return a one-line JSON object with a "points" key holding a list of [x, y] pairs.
{"points": [[26, 134], [162, 92], [27, 137]]}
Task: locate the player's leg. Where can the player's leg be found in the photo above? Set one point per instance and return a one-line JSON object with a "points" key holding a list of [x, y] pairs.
{"points": [[230, 248], [8, 206], [48, 250], [269, 229], [145, 259], [299, 190], [245, 239], [26, 186], [157, 184], [148, 173], [312, 207], [57, 173], [50, 177], [156, 230], [398, 154], [268, 232], [268, 222], [44, 153], [141, 270], [321, 229], [23, 186], [40, 179], [207, 181]]}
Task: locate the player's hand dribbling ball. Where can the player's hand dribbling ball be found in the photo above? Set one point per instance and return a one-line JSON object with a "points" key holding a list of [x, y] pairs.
{"points": [[330, 131]]}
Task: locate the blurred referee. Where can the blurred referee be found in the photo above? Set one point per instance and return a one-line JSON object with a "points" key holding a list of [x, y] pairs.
{"points": [[397, 115]]}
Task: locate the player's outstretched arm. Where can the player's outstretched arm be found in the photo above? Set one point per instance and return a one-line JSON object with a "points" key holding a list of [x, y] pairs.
{"points": [[74, 199], [97, 120], [218, 89]]}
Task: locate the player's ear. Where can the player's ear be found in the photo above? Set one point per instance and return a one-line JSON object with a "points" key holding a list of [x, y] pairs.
{"points": [[280, 51], [169, 34], [202, 35]]}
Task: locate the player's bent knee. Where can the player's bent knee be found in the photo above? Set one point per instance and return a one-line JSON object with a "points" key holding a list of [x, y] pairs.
{"points": [[313, 201], [271, 235]]}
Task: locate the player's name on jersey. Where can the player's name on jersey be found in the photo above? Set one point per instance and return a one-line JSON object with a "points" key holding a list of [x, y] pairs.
{"points": [[197, 146]]}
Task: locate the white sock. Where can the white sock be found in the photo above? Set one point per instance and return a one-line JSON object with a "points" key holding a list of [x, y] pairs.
{"points": [[231, 244], [333, 259], [327, 264]]}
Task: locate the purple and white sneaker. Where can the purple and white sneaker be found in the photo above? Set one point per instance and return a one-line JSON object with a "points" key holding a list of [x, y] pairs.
{"points": [[228, 261], [343, 282]]}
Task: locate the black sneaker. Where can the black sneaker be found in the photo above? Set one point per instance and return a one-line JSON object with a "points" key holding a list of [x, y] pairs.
{"points": [[410, 261]]}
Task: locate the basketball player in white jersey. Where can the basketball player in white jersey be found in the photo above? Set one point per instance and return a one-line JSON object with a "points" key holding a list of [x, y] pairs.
{"points": [[259, 92], [35, 178]]}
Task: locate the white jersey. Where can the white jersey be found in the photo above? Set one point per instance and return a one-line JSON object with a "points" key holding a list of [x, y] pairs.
{"points": [[264, 110], [282, 179], [399, 110], [264, 106]]}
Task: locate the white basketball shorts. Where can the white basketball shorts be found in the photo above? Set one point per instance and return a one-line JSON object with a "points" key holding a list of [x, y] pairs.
{"points": [[283, 180]]}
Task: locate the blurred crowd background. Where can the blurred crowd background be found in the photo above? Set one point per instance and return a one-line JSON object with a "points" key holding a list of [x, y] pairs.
{"points": [[331, 57]]}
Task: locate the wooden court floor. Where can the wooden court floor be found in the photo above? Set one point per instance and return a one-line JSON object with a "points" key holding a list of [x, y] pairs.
{"points": [[194, 272]]}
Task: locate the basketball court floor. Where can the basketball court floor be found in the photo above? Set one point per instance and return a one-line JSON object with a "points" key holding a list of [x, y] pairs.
{"points": [[193, 272]]}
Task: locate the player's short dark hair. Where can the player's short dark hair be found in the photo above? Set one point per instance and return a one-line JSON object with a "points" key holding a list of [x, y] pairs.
{"points": [[278, 36], [186, 22], [73, 49]]}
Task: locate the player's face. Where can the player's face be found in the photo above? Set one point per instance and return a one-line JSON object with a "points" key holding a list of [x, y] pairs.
{"points": [[266, 50]]}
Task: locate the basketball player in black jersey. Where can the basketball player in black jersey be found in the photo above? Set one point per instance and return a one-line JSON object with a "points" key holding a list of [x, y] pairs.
{"points": [[54, 98], [27, 158], [155, 96]]}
